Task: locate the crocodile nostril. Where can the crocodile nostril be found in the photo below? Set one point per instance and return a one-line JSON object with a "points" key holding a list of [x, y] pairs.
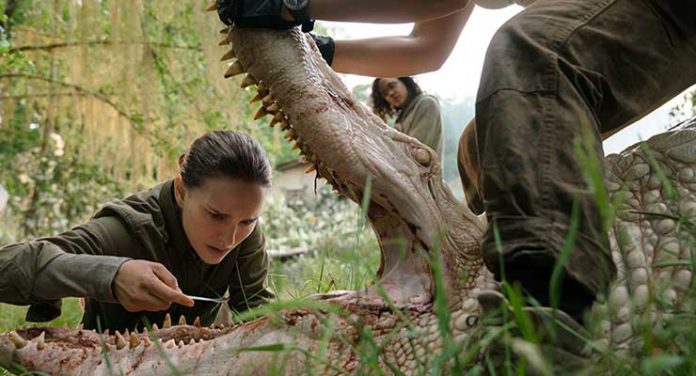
{"points": [[421, 156]]}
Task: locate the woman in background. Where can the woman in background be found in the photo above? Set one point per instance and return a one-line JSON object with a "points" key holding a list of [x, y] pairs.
{"points": [[417, 114]]}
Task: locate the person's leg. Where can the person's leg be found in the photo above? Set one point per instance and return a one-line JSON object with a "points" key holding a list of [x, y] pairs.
{"points": [[556, 69], [467, 163]]}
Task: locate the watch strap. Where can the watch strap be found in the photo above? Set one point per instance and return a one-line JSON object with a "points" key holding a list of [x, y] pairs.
{"points": [[302, 16]]}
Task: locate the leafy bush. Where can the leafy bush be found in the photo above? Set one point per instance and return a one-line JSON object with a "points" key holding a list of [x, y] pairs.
{"points": [[342, 252]]}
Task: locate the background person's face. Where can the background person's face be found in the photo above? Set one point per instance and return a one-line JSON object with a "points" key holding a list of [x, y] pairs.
{"points": [[219, 214], [393, 91]]}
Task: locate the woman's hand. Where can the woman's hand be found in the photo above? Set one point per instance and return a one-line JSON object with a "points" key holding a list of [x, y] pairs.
{"points": [[147, 286]]}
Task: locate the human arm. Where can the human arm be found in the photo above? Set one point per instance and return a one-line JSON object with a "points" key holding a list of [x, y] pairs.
{"points": [[425, 49], [382, 11], [249, 277], [395, 11], [82, 262]]}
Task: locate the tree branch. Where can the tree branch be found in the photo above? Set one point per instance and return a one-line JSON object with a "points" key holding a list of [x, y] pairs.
{"points": [[52, 46], [86, 92]]}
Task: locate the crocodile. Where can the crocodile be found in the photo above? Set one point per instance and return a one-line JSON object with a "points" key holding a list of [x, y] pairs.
{"points": [[422, 313]]}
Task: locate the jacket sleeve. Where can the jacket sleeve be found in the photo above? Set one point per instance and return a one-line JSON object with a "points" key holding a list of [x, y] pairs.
{"points": [[426, 122], [78, 262], [248, 282]]}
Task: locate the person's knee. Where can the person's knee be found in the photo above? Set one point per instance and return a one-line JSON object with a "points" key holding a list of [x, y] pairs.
{"points": [[467, 161]]}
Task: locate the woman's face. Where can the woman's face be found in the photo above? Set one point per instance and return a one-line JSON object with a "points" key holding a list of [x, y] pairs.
{"points": [[393, 91], [219, 214]]}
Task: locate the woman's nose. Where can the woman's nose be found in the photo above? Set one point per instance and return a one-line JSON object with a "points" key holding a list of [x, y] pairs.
{"points": [[228, 235]]}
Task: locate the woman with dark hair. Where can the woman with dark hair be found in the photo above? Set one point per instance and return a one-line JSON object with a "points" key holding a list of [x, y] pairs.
{"points": [[417, 114], [141, 257]]}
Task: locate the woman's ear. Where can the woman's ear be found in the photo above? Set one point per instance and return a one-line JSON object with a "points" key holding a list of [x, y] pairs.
{"points": [[179, 190]]}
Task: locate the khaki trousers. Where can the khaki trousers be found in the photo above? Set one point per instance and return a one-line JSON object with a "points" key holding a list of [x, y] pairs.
{"points": [[559, 67]]}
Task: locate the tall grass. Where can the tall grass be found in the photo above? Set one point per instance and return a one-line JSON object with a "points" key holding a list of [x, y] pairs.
{"points": [[349, 261]]}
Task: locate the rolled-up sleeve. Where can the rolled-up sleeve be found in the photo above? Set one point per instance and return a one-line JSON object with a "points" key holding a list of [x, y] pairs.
{"points": [[81, 262]]}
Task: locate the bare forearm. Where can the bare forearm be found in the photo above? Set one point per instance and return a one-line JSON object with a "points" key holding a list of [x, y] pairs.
{"points": [[424, 50], [383, 11]]}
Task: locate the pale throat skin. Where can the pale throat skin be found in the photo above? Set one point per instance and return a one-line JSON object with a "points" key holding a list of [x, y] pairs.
{"points": [[393, 91], [219, 214]]}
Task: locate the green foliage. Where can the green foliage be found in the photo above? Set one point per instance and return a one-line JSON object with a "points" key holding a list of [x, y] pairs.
{"points": [[685, 110], [126, 86], [456, 114], [342, 253]]}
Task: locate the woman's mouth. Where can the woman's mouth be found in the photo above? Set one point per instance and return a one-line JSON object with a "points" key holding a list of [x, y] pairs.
{"points": [[216, 250]]}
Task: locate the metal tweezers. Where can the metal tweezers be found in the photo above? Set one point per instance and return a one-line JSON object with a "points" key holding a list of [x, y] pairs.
{"points": [[214, 300]]}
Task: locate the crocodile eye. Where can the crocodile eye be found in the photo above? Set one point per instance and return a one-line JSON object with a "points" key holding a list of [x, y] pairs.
{"points": [[421, 156]]}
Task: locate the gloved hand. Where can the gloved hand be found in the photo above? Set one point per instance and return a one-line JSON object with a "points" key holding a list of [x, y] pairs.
{"points": [[254, 13], [326, 47]]}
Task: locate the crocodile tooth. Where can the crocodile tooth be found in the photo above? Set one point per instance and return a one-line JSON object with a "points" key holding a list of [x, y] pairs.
{"points": [[181, 343], [228, 55], [212, 7], [106, 346], [256, 98], [155, 327], [134, 340], [18, 341], [297, 146], [268, 99], [248, 81], [167, 321], [120, 341], [146, 341], [197, 322], [182, 320], [277, 118], [311, 168], [273, 108], [224, 30], [41, 341], [126, 334], [260, 113], [170, 344], [224, 42], [261, 87], [222, 326], [285, 125], [234, 69], [192, 342]]}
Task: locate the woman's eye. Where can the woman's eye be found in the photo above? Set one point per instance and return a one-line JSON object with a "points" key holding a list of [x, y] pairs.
{"points": [[217, 216]]}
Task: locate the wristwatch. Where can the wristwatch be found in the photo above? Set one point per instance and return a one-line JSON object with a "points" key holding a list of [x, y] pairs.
{"points": [[298, 9]]}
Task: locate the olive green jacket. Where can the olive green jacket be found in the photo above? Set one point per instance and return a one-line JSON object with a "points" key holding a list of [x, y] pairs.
{"points": [[421, 120], [146, 226]]}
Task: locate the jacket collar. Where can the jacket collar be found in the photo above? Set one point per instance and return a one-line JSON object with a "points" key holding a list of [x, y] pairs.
{"points": [[172, 220]]}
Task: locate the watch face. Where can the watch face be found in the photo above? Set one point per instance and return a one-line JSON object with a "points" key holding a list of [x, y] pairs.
{"points": [[296, 4]]}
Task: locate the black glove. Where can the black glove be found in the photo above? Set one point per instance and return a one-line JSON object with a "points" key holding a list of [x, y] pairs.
{"points": [[253, 13], [326, 46]]}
